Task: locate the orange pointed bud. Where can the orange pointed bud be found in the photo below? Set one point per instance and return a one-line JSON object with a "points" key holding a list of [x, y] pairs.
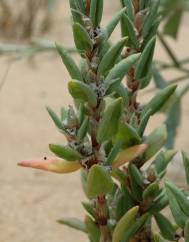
{"points": [[52, 164]]}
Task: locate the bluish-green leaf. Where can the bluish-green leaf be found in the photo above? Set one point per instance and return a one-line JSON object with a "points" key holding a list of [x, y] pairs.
{"points": [[185, 158], [90, 209], [156, 141], [186, 231], [75, 15], [82, 91], [92, 229], [57, 121], [65, 152], [144, 65], [160, 99], [137, 226], [129, 30], [165, 226], [69, 63], [124, 224], [96, 10], [182, 200], [127, 135], [162, 160], [151, 192], [152, 14], [82, 39], [113, 23], [122, 68], [179, 216], [74, 223], [83, 129], [111, 56], [129, 9], [110, 120], [98, 176], [114, 152]]}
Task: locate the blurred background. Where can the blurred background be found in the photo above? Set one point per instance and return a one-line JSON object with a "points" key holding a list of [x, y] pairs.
{"points": [[31, 77]]}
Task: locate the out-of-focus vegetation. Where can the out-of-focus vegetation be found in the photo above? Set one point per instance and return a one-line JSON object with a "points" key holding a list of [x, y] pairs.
{"points": [[28, 18]]}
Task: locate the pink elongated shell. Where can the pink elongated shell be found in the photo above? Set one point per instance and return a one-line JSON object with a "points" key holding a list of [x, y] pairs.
{"points": [[52, 164]]}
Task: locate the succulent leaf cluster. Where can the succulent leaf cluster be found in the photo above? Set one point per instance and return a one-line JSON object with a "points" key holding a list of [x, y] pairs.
{"points": [[122, 168]]}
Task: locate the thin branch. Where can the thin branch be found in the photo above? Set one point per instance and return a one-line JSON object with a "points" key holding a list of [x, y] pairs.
{"points": [[173, 81], [35, 47], [168, 49]]}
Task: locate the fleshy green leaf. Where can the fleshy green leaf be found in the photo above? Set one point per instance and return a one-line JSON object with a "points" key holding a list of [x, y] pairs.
{"points": [[127, 135], [83, 129], [74, 223], [63, 114], [186, 231], [162, 160], [129, 9], [153, 10], [112, 86], [144, 65], [82, 39], [114, 152], [182, 200], [69, 63], [179, 216], [122, 68], [75, 15], [81, 5], [160, 99], [144, 121], [129, 30], [96, 10], [92, 229], [134, 228], [121, 205], [57, 121], [185, 158], [155, 141], [129, 154], [136, 175], [82, 91], [151, 192], [110, 120], [159, 204], [65, 152], [98, 176], [124, 224], [136, 189], [113, 23], [89, 208], [165, 226], [110, 57]]}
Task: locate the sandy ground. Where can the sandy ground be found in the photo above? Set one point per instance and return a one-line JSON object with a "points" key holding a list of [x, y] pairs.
{"points": [[31, 201]]}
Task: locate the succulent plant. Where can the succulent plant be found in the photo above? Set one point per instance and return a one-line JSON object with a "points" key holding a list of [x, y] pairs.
{"points": [[122, 168]]}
